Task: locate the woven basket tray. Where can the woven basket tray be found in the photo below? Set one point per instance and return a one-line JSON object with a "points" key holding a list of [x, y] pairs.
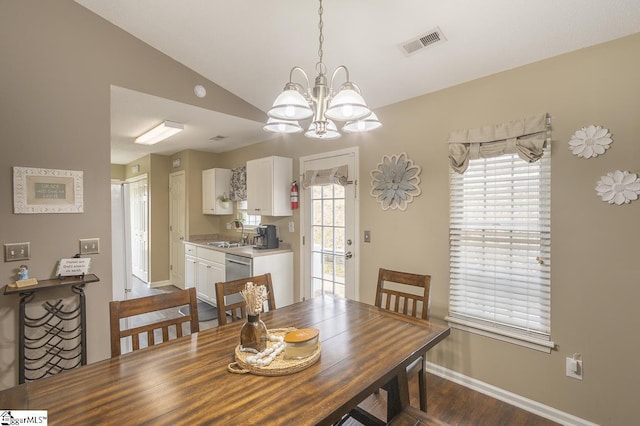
{"points": [[279, 366]]}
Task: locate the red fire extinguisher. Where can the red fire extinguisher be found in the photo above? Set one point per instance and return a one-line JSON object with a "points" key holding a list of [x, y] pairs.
{"points": [[294, 195]]}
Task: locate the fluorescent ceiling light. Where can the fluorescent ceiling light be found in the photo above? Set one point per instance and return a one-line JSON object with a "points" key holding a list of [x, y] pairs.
{"points": [[160, 133]]}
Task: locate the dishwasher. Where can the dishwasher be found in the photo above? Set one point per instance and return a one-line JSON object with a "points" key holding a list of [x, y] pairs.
{"points": [[236, 267]]}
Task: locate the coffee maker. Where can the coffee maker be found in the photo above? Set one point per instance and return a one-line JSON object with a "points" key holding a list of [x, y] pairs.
{"points": [[266, 237]]}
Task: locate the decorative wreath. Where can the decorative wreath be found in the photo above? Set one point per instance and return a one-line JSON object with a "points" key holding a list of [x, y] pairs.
{"points": [[395, 182]]}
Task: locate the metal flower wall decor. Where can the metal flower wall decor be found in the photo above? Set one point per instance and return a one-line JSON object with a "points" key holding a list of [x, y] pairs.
{"points": [[619, 187], [590, 141], [395, 182]]}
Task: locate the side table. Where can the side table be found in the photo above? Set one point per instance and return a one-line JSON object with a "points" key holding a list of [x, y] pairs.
{"points": [[55, 341]]}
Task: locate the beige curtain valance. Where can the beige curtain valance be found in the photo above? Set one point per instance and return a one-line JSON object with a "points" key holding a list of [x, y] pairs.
{"points": [[336, 175], [526, 137]]}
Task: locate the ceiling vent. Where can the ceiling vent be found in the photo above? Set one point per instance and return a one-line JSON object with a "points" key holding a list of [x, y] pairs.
{"points": [[416, 44], [218, 138]]}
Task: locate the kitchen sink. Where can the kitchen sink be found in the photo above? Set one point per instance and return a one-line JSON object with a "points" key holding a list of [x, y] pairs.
{"points": [[225, 244]]}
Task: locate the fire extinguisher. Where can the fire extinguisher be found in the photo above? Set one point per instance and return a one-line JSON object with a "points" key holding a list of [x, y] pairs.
{"points": [[294, 195]]}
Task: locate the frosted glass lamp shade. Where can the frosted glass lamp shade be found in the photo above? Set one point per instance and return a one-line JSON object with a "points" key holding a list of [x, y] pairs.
{"points": [[331, 133], [370, 122], [347, 105], [290, 105], [282, 126]]}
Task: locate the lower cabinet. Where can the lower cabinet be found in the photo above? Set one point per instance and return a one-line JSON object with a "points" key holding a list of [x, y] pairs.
{"points": [[204, 267], [280, 265], [203, 271], [190, 271]]}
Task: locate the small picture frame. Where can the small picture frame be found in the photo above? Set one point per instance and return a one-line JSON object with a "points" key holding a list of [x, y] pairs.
{"points": [[38, 190]]}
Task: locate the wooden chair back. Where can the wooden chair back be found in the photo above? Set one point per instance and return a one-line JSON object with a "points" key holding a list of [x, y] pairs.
{"points": [[407, 303], [144, 305], [416, 304], [238, 310]]}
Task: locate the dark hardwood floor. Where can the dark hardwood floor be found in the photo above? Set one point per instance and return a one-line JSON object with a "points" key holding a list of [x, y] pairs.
{"points": [[446, 400], [457, 405]]}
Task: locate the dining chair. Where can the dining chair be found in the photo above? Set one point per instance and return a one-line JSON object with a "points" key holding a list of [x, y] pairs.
{"points": [[229, 311], [408, 294], [119, 310]]}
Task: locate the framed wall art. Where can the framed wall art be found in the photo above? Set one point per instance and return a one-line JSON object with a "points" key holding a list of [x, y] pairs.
{"points": [[47, 191]]}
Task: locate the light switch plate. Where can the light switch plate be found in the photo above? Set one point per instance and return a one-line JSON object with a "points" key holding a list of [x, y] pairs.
{"points": [[17, 251], [90, 246]]}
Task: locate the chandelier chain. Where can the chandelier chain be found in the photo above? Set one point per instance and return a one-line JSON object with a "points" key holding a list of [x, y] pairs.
{"points": [[321, 37]]}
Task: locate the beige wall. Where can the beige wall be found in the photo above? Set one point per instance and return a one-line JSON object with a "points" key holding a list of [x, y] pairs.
{"points": [[59, 61], [595, 246], [54, 113]]}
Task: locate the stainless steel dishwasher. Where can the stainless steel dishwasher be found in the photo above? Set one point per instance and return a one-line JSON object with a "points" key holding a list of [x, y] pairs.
{"points": [[236, 267]]}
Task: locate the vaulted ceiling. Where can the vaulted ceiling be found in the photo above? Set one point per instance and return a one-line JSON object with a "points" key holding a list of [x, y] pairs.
{"points": [[249, 47]]}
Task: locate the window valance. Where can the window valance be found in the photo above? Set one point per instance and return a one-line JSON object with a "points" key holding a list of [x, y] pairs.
{"points": [[526, 137], [336, 175], [239, 184]]}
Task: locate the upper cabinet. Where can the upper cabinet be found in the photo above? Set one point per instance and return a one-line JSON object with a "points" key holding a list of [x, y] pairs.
{"points": [[215, 189], [268, 185]]}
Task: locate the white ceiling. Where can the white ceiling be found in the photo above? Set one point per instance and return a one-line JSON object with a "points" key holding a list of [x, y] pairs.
{"points": [[248, 47]]}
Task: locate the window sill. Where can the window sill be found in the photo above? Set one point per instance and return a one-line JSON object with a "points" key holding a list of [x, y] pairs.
{"points": [[503, 335]]}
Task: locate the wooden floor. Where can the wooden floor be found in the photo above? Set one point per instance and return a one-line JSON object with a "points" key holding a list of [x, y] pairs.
{"points": [[457, 405], [446, 400]]}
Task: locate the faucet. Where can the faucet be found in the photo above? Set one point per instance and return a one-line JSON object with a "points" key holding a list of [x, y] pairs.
{"points": [[243, 238]]}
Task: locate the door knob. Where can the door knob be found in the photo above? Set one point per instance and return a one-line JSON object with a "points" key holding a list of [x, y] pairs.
{"points": [[348, 255]]}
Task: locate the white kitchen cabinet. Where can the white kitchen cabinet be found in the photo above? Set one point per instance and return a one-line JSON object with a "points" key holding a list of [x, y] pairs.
{"points": [[190, 271], [203, 269], [208, 274], [268, 185], [215, 184], [190, 266], [280, 265]]}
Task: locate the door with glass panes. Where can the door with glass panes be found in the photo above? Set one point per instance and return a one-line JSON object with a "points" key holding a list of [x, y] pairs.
{"points": [[328, 217]]}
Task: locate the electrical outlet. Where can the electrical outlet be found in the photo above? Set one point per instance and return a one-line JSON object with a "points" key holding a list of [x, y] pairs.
{"points": [[367, 236], [574, 367], [90, 246], [292, 226], [17, 251]]}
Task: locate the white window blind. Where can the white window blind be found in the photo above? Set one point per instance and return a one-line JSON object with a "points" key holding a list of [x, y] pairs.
{"points": [[500, 247]]}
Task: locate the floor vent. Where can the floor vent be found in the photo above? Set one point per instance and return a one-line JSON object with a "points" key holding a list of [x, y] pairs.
{"points": [[416, 44]]}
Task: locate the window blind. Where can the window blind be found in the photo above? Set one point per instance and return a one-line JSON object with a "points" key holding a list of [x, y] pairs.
{"points": [[500, 246]]}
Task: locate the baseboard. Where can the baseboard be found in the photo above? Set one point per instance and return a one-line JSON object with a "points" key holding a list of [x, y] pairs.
{"points": [[508, 397], [159, 284]]}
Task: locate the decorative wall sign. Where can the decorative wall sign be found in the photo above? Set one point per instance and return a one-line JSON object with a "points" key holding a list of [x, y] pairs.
{"points": [[395, 182], [619, 187], [590, 141], [47, 191], [73, 267]]}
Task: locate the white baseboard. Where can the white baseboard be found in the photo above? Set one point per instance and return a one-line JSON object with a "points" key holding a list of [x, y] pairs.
{"points": [[159, 284], [508, 397]]}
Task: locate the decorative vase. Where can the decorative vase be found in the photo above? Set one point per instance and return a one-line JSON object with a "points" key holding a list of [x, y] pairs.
{"points": [[253, 335]]}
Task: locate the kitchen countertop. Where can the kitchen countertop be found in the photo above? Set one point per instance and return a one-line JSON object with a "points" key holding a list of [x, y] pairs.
{"points": [[245, 251]]}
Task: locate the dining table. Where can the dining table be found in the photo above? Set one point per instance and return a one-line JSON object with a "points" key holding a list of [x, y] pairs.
{"points": [[187, 381]]}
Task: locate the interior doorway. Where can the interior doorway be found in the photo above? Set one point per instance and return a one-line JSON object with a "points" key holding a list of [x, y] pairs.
{"points": [[139, 199]]}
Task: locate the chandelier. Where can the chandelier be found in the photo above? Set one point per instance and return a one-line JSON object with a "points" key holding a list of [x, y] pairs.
{"points": [[321, 103]]}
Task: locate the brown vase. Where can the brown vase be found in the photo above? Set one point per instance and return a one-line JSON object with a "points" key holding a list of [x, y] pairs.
{"points": [[253, 336]]}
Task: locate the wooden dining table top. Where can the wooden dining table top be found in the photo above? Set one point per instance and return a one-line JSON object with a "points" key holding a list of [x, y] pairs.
{"points": [[185, 381]]}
